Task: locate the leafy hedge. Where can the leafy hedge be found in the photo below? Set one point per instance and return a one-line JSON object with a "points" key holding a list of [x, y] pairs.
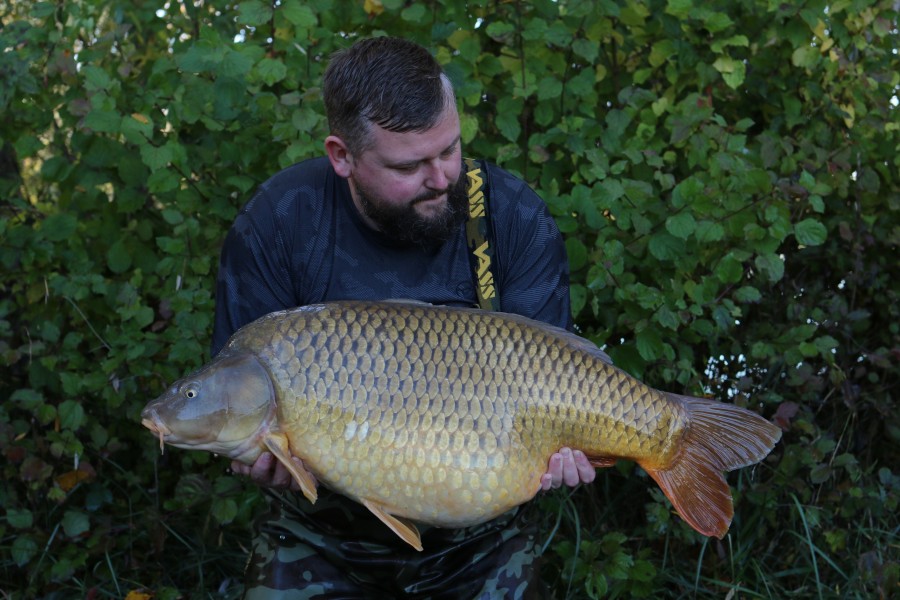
{"points": [[725, 173]]}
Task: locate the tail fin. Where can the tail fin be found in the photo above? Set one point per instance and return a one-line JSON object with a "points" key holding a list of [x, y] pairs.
{"points": [[719, 437]]}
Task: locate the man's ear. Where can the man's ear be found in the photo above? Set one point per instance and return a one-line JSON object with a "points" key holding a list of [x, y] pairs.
{"points": [[339, 155]]}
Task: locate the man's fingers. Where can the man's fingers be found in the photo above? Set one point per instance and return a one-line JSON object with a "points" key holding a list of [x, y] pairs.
{"points": [[261, 469], [555, 470], [586, 471], [546, 482], [569, 470], [239, 468]]}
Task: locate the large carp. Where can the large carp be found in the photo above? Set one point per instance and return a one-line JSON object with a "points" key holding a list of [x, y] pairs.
{"points": [[448, 416]]}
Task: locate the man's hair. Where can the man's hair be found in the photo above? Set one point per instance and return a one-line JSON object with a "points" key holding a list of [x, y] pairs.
{"points": [[391, 82]]}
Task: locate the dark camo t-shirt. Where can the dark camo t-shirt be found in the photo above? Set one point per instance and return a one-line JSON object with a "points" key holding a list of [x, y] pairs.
{"points": [[300, 240]]}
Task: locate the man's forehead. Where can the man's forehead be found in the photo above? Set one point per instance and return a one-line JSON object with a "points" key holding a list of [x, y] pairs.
{"points": [[391, 146]]}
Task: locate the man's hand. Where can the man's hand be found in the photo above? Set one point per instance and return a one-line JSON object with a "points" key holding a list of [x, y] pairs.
{"points": [[567, 467], [268, 471]]}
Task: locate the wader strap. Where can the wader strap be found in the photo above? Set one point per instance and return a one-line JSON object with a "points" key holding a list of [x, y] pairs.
{"points": [[478, 235]]}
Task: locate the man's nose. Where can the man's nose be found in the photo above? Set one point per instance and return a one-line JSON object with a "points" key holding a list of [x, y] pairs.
{"points": [[436, 179]]}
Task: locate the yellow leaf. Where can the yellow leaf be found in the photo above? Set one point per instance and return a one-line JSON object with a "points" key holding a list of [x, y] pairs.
{"points": [[850, 116], [137, 595], [140, 118], [373, 8], [819, 30], [69, 480]]}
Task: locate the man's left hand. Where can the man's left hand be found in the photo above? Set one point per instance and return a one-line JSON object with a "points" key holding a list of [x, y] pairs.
{"points": [[567, 467]]}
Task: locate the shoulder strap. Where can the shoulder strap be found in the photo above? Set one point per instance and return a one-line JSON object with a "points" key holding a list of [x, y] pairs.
{"points": [[478, 235]]}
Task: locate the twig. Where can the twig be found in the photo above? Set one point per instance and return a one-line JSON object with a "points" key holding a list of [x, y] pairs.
{"points": [[91, 327]]}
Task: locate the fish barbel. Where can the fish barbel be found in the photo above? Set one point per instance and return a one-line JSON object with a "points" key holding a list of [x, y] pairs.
{"points": [[448, 416]]}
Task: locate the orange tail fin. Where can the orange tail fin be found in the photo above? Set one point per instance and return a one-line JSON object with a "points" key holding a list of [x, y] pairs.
{"points": [[719, 437]]}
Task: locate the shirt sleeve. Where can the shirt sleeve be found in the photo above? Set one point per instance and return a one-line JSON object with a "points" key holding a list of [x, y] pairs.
{"points": [[533, 265], [254, 271]]}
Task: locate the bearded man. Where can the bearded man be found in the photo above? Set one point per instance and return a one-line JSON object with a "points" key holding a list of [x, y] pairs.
{"points": [[383, 215]]}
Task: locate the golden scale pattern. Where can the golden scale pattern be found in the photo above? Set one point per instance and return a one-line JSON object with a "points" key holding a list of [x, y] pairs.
{"points": [[394, 400]]}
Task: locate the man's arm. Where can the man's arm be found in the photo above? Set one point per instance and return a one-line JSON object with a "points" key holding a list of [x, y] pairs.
{"points": [[254, 268]]}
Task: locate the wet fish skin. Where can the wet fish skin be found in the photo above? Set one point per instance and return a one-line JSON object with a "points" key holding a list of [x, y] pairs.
{"points": [[448, 416]]}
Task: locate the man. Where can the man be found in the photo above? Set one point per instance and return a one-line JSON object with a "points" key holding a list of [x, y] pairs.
{"points": [[383, 216]]}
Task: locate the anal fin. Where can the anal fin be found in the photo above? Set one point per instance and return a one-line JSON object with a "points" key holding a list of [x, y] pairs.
{"points": [[278, 445], [405, 529]]}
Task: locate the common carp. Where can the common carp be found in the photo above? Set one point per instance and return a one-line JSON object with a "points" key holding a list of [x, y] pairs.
{"points": [[448, 416]]}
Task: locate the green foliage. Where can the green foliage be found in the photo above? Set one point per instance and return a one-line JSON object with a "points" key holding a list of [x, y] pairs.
{"points": [[725, 174]]}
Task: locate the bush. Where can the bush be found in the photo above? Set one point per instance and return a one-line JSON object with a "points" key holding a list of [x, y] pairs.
{"points": [[725, 174]]}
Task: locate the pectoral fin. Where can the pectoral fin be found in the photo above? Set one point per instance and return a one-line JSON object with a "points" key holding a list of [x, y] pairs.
{"points": [[278, 445], [405, 529]]}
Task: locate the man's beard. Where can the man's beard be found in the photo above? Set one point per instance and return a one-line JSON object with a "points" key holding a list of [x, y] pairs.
{"points": [[403, 222]]}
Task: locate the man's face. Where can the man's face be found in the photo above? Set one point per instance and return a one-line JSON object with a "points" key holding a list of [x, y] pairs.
{"points": [[411, 185]]}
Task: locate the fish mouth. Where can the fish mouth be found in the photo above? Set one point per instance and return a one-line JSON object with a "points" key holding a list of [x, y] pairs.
{"points": [[158, 428]]}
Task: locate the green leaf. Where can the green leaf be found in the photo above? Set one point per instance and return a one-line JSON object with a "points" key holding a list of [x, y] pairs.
{"points": [[156, 157], [549, 87], [413, 13], [43, 9], [500, 30], [96, 78], [59, 227], [733, 71], [224, 510], [681, 225], [254, 12], [19, 518], [805, 56], [810, 232], [508, 124], [587, 49], [665, 247], [649, 345], [771, 265], [679, 8], [200, 57], [716, 22], [578, 297], [665, 317], [118, 258], [75, 523], [170, 245], [729, 269], [735, 40], [299, 14], [747, 294], [23, 550], [103, 121], [468, 125], [71, 415], [577, 253], [708, 231], [271, 71]]}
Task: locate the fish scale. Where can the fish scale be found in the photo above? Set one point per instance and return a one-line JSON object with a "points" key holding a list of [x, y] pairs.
{"points": [[448, 416]]}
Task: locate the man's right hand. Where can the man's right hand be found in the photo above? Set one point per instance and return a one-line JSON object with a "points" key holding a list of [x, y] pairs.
{"points": [[268, 471]]}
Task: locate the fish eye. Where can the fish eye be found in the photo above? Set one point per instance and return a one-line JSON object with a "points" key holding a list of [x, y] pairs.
{"points": [[191, 392]]}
